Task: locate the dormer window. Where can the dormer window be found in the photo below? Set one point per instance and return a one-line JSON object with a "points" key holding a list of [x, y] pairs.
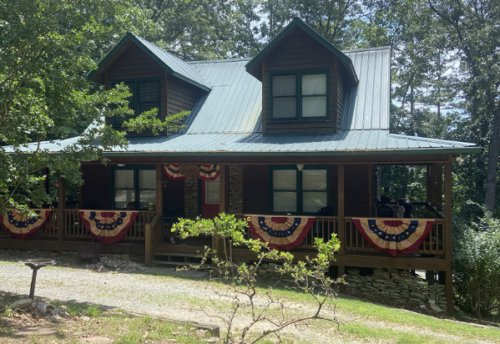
{"points": [[299, 96], [145, 96]]}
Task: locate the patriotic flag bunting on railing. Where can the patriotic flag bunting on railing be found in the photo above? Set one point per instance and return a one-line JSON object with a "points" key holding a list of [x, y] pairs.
{"points": [[280, 232], [21, 225], [209, 172], [173, 171], [107, 226], [398, 236]]}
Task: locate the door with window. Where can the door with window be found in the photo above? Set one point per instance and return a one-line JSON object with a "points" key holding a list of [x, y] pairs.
{"points": [[210, 198]]}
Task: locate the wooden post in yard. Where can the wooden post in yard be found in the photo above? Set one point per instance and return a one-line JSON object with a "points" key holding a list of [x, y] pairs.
{"points": [[340, 217], [61, 204], [448, 236]]}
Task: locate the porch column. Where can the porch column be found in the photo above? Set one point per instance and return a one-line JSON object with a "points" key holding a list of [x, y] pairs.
{"points": [[340, 216], [159, 190], [61, 204], [439, 187], [218, 244], [448, 236]]}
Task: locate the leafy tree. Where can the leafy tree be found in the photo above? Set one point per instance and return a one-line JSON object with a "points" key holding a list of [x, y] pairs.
{"points": [[47, 48], [473, 27]]}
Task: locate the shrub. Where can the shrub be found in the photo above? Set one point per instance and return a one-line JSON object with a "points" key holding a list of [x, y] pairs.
{"points": [[476, 264], [260, 310]]}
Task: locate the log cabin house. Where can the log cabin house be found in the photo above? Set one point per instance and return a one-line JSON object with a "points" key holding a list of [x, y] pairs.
{"points": [[301, 129]]}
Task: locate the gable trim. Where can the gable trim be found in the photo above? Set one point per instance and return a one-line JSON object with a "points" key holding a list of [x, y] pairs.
{"points": [[131, 37], [296, 22]]}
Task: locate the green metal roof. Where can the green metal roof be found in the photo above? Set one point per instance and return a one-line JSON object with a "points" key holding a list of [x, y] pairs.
{"points": [[296, 22], [167, 61]]}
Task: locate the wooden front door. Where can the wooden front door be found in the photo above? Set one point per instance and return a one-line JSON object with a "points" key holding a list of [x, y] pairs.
{"points": [[210, 198]]}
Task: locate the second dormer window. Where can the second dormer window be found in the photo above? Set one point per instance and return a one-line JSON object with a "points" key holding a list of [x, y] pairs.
{"points": [[299, 96], [145, 96]]}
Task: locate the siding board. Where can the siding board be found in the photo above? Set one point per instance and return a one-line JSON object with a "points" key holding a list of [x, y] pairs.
{"points": [[96, 188], [256, 189]]}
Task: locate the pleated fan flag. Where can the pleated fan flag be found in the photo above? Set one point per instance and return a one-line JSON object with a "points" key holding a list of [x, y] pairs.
{"points": [[401, 236], [107, 226], [173, 171], [285, 232], [209, 172], [22, 226]]}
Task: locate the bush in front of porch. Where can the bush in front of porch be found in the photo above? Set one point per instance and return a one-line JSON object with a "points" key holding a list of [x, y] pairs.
{"points": [[476, 263], [258, 311]]}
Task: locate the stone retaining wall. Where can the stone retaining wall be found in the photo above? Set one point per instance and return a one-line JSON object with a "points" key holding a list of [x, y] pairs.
{"points": [[398, 288]]}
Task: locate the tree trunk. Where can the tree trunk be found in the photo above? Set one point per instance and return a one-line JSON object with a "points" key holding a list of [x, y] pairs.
{"points": [[491, 169]]}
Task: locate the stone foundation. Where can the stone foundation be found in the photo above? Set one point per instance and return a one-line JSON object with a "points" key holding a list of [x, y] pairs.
{"points": [[397, 288]]}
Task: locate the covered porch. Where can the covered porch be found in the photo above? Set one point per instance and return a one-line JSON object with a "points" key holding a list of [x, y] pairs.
{"points": [[245, 187]]}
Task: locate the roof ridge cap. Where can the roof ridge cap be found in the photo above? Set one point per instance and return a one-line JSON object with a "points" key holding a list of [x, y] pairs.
{"points": [[385, 47]]}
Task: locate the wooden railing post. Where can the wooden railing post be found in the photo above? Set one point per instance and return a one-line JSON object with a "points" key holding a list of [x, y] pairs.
{"points": [[61, 204], [341, 220], [448, 235], [148, 244]]}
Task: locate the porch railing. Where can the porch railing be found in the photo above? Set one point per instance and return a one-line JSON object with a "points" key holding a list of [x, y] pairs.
{"points": [[434, 244], [47, 230], [75, 229]]}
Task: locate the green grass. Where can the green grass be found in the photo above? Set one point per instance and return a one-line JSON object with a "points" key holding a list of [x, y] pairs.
{"points": [[75, 309], [131, 330]]}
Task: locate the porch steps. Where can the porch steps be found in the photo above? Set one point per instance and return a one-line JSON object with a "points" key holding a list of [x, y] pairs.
{"points": [[176, 258]]}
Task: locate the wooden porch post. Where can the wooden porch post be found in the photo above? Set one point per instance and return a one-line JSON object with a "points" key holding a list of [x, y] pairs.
{"points": [[439, 187], [218, 244], [448, 236], [61, 204], [340, 216], [154, 231]]}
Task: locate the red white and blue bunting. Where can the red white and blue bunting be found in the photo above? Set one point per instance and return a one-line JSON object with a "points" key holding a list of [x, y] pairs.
{"points": [[107, 226], [21, 225], [401, 236], [174, 172], [284, 233], [209, 172]]}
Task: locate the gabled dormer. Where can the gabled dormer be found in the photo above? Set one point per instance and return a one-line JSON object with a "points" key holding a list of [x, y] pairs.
{"points": [[156, 79], [304, 78]]}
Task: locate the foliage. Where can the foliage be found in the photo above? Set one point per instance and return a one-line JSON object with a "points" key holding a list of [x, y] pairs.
{"points": [[47, 48], [263, 308], [476, 263]]}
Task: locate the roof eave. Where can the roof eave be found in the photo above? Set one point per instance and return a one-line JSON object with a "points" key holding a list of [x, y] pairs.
{"points": [[431, 151]]}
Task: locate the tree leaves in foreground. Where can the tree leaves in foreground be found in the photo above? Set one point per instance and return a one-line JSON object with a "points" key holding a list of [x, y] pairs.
{"points": [[255, 311]]}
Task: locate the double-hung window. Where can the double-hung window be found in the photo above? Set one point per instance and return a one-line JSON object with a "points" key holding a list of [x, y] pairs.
{"points": [[134, 188], [299, 96], [145, 96], [299, 192]]}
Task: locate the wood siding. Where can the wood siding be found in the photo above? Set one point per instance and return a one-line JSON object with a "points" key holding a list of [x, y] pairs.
{"points": [[181, 95], [257, 195], [256, 189], [357, 195], [340, 95], [296, 52], [96, 188]]}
